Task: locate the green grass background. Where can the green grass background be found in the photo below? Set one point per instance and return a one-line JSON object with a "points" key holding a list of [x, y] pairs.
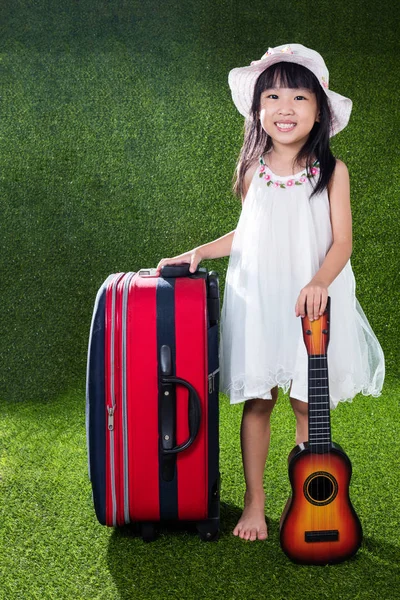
{"points": [[118, 141]]}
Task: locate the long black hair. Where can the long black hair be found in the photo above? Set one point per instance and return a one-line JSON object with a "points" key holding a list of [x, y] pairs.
{"points": [[257, 142]]}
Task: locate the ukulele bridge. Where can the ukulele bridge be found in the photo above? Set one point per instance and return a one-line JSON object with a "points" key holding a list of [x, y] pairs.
{"points": [[331, 535]]}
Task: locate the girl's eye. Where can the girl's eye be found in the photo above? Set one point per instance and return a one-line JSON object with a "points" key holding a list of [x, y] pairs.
{"points": [[300, 98], [273, 96]]}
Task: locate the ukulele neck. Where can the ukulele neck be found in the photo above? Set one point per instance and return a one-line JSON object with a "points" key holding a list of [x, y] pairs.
{"points": [[319, 423]]}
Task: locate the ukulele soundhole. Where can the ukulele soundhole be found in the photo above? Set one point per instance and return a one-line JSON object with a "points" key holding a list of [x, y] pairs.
{"points": [[320, 488]]}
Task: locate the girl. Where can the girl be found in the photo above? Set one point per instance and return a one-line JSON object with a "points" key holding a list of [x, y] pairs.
{"points": [[291, 248]]}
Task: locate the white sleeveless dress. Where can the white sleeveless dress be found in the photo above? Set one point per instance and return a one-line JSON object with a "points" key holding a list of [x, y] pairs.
{"points": [[280, 242]]}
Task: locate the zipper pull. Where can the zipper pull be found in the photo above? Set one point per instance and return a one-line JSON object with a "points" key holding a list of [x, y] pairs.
{"points": [[111, 410]]}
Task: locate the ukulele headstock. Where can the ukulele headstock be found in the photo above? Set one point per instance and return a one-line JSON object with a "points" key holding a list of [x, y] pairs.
{"points": [[316, 333]]}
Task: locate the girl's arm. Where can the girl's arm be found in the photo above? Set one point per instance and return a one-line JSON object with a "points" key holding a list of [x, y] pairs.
{"points": [[216, 249], [314, 295]]}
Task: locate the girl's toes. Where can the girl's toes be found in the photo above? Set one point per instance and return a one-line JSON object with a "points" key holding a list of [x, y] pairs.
{"points": [[262, 535], [253, 535]]}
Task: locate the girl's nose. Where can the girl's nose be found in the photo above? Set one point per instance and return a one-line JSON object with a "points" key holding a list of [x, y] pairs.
{"points": [[285, 109]]}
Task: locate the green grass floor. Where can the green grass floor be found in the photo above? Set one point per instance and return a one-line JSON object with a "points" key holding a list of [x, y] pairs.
{"points": [[52, 547]]}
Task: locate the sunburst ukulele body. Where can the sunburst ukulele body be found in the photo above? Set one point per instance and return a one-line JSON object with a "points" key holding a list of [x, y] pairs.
{"points": [[319, 525]]}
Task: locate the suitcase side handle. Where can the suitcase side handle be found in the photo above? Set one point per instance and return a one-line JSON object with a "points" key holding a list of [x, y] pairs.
{"points": [[194, 414], [168, 406]]}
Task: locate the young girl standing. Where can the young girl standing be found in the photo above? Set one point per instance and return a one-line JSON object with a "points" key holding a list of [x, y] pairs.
{"points": [[291, 248]]}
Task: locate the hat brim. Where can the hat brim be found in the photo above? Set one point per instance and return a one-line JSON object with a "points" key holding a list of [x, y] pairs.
{"points": [[242, 81]]}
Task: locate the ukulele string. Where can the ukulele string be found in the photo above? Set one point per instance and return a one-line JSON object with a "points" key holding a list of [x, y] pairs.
{"points": [[316, 362], [328, 414], [323, 406], [327, 428], [323, 394], [328, 318], [321, 399], [314, 421], [319, 412]]}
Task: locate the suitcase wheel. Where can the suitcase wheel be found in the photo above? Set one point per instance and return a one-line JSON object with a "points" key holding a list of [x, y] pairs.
{"points": [[208, 530], [148, 532]]}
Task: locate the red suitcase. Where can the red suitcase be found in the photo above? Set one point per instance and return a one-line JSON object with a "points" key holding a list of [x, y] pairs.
{"points": [[152, 400]]}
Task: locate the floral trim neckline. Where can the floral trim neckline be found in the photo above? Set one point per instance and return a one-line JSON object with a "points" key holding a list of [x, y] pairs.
{"points": [[290, 180]]}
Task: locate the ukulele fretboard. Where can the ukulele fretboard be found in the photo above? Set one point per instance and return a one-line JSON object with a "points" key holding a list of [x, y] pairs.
{"points": [[319, 424]]}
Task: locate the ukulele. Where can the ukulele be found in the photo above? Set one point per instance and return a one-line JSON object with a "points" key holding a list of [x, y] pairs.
{"points": [[319, 525]]}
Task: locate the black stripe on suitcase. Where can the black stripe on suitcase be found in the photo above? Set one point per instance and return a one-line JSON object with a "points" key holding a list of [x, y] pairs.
{"points": [[165, 299]]}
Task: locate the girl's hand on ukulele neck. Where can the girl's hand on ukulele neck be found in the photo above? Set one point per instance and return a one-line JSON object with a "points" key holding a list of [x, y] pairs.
{"points": [[312, 300]]}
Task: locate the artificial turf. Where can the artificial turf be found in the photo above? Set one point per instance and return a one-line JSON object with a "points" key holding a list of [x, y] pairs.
{"points": [[51, 545], [118, 141]]}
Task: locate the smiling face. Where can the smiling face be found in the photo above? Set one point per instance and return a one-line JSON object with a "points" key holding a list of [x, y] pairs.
{"points": [[287, 102], [288, 115]]}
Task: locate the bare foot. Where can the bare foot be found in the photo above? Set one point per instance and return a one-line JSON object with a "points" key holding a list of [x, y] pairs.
{"points": [[252, 524]]}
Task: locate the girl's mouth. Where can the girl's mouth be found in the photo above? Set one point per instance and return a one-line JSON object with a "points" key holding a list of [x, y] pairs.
{"points": [[282, 126]]}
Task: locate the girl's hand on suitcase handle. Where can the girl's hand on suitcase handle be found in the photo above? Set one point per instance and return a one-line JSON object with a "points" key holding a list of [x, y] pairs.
{"points": [[193, 257]]}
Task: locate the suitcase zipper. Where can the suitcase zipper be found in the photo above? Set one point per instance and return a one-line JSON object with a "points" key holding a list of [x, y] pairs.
{"points": [[119, 444], [211, 381], [111, 410], [125, 297]]}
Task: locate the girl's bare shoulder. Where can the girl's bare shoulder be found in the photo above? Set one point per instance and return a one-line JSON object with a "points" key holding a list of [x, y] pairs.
{"points": [[339, 188], [340, 173], [248, 178]]}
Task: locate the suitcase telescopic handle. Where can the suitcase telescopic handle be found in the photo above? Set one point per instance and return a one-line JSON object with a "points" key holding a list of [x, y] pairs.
{"points": [[194, 414], [182, 270]]}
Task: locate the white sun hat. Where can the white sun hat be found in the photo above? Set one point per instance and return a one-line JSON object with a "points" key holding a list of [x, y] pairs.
{"points": [[243, 79]]}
